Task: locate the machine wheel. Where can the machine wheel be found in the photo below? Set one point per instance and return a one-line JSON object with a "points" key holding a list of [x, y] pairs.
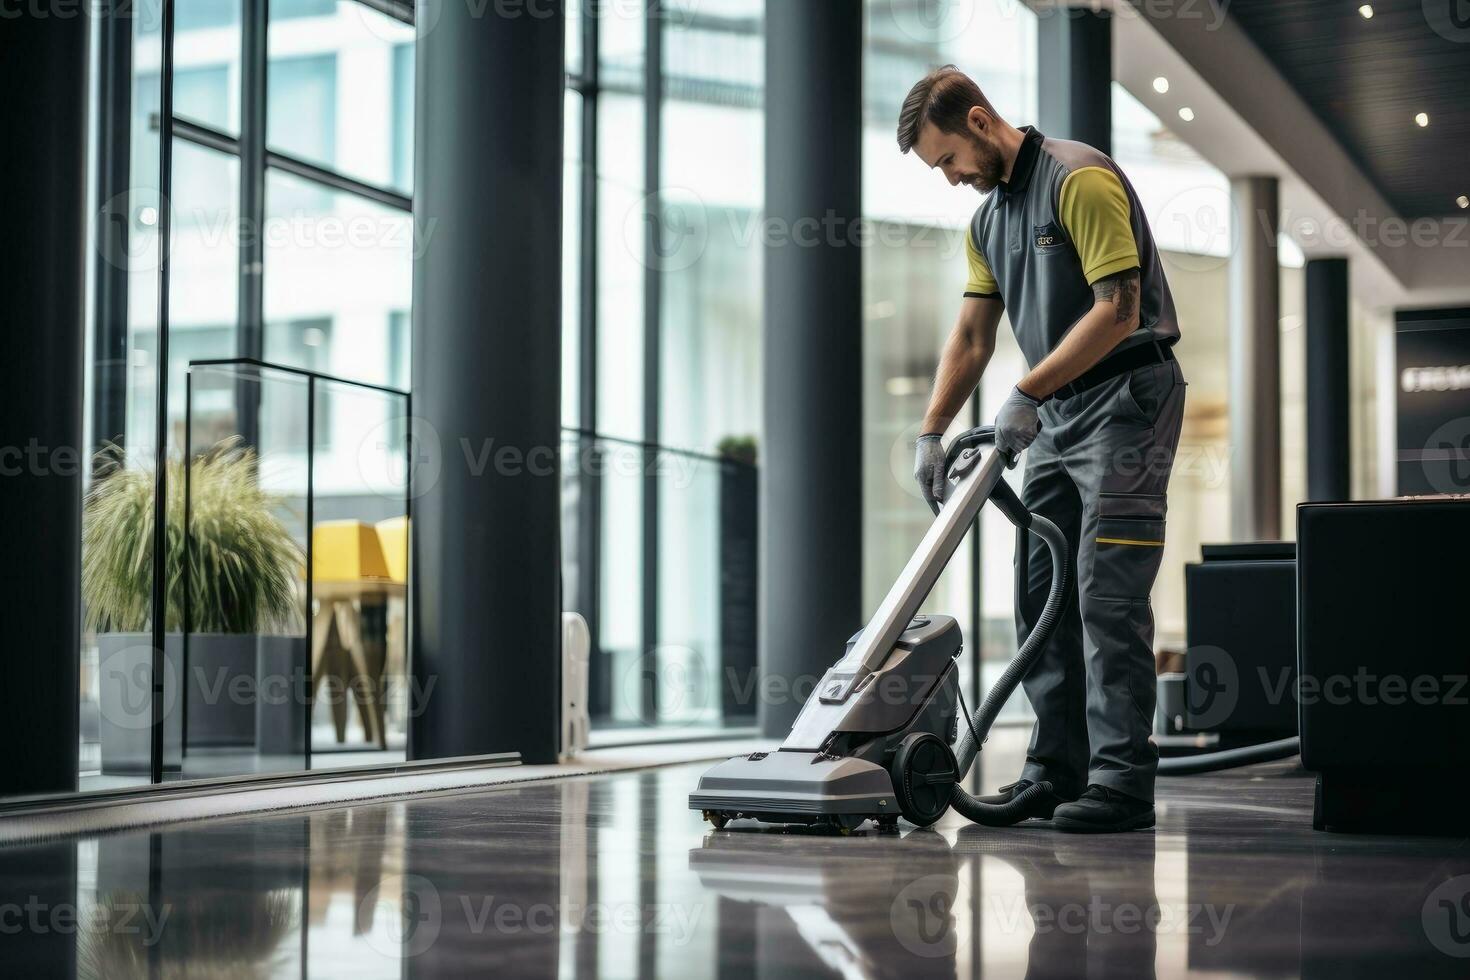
{"points": [[924, 774]]}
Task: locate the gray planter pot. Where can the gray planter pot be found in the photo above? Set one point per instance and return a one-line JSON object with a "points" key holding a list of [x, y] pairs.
{"points": [[125, 706], [245, 692], [281, 708], [220, 712]]}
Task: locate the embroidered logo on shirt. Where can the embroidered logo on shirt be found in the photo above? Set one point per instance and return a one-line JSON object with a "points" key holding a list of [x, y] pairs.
{"points": [[1047, 237]]}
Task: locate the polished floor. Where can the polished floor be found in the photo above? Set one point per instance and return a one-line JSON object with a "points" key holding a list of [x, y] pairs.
{"points": [[612, 876]]}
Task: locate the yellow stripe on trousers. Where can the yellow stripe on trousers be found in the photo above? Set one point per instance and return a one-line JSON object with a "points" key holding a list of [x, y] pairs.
{"points": [[1131, 541]]}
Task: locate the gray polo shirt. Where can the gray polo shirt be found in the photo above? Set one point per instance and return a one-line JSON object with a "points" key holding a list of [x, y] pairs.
{"points": [[1066, 218]]}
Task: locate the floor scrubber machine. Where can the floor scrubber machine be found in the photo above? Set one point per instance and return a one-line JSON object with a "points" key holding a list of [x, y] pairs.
{"points": [[886, 733]]}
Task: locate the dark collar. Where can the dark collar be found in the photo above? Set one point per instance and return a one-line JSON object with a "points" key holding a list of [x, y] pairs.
{"points": [[1025, 161]]}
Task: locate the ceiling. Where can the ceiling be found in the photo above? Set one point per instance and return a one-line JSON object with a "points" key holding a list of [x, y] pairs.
{"points": [[1368, 78]]}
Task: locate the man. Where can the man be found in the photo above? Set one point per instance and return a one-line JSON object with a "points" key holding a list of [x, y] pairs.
{"points": [[1061, 243]]}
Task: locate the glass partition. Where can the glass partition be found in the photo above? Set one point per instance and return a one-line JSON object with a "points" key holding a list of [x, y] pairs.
{"points": [[685, 664], [244, 497], [292, 573], [360, 468]]}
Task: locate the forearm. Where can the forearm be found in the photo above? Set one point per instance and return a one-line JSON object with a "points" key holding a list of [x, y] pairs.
{"points": [[1114, 315], [960, 367]]}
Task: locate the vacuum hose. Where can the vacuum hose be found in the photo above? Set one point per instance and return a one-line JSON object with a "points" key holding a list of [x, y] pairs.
{"points": [[978, 728], [1185, 765], [1000, 692]]}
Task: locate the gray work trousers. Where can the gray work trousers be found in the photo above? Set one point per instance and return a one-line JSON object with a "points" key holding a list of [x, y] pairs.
{"points": [[1100, 470]]}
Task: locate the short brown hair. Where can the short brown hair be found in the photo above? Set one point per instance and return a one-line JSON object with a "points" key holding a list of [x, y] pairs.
{"points": [[944, 97]]}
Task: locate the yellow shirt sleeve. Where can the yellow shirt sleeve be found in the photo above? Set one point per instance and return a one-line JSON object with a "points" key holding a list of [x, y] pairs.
{"points": [[982, 281], [1093, 207]]}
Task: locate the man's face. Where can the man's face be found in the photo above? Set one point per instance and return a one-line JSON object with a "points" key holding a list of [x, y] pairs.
{"points": [[969, 158]]}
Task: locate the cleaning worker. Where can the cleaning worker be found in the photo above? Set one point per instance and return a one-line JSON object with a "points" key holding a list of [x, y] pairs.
{"points": [[1061, 244]]}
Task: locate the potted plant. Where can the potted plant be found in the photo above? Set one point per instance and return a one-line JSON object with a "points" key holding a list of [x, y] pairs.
{"points": [[244, 581]]}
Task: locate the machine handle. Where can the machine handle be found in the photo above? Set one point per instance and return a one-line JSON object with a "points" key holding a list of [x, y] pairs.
{"points": [[971, 439]]}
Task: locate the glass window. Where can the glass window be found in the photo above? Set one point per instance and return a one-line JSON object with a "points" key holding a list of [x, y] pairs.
{"points": [[402, 136], [335, 257], [914, 275], [203, 281], [621, 220], [291, 9], [712, 252], [621, 34], [207, 63], [302, 106], [337, 78], [706, 262], [620, 640], [337, 280], [207, 95]]}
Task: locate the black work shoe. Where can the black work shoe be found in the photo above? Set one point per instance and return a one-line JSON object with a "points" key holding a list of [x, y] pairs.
{"points": [[1006, 808], [1101, 810]]}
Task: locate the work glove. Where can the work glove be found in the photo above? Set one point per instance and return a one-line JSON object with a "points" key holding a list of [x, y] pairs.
{"points": [[1017, 424], [929, 467]]}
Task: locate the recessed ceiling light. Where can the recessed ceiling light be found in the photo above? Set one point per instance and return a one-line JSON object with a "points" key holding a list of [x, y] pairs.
{"points": [[1422, 119], [1367, 11], [1463, 201], [1186, 113], [1161, 85]]}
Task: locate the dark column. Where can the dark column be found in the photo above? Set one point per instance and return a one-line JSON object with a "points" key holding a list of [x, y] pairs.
{"points": [[1255, 361], [486, 383], [1329, 439], [811, 466], [42, 284], [1074, 80]]}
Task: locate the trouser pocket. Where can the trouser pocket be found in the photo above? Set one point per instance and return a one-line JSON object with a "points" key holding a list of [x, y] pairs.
{"points": [[1129, 545]]}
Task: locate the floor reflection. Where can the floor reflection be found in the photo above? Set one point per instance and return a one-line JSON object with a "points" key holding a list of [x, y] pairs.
{"points": [[613, 876]]}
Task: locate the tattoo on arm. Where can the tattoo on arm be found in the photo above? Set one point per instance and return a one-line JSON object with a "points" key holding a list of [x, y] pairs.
{"points": [[1120, 288]]}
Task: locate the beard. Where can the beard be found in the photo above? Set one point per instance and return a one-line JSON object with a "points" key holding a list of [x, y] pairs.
{"points": [[989, 167]]}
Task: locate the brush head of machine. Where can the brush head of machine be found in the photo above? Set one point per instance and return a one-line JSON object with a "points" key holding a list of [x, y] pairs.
{"points": [[868, 744]]}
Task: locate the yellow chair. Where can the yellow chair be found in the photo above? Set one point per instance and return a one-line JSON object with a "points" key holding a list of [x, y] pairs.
{"points": [[393, 536], [393, 540], [351, 582], [347, 551]]}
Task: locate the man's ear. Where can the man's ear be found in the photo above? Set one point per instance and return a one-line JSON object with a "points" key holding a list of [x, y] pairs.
{"points": [[979, 120]]}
